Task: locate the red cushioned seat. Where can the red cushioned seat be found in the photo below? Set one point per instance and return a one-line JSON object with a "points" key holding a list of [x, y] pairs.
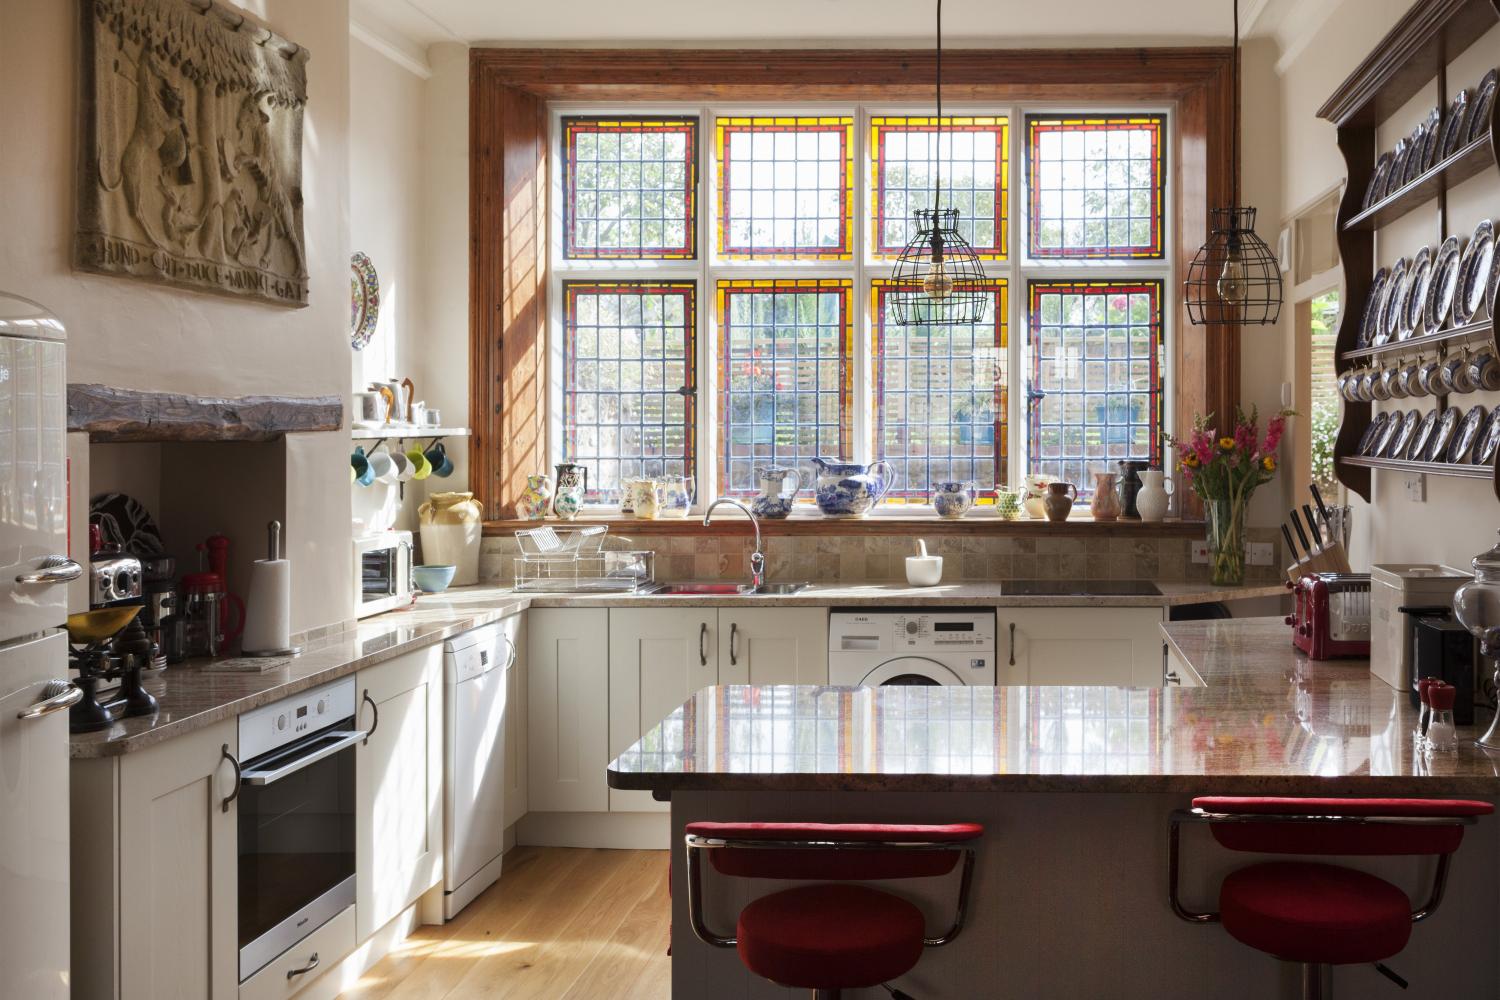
{"points": [[1340, 838], [848, 863], [1307, 912], [828, 937]]}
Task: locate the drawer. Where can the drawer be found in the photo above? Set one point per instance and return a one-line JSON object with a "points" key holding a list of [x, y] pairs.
{"points": [[330, 943]]}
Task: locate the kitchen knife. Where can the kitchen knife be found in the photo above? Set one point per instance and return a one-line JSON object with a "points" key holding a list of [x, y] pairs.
{"points": [[1318, 561], [1294, 570], [1301, 536], [1309, 563], [1333, 547]]}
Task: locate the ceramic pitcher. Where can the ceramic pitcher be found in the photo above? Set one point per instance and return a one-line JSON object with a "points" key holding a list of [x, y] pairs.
{"points": [[645, 498], [676, 496], [772, 501], [1106, 505], [532, 505], [1130, 485], [1035, 492], [1152, 500], [1059, 500], [952, 499], [572, 484], [847, 489]]}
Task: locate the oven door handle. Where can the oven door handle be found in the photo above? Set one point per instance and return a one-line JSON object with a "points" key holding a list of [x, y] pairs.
{"points": [[347, 739]]}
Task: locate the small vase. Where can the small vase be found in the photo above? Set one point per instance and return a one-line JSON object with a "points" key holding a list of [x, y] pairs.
{"points": [[1059, 500], [1106, 504], [1226, 543], [534, 500]]}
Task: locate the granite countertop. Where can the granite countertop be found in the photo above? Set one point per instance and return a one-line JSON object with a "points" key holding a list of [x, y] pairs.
{"points": [[1267, 721], [191, 697]]}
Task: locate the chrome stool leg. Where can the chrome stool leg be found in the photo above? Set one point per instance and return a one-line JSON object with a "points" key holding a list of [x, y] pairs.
{"points": [[827, 994], [1315, 982]]}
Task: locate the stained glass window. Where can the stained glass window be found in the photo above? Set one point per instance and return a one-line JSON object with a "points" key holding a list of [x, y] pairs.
{"points": [[629, 188], [786, 375], [786, 187], [974, 163], [628, 386], [1095, 392], [940, 397], [1096, 185]]}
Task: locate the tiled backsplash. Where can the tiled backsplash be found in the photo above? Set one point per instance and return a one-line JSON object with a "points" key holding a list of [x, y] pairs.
{"points": [[880, 558]]}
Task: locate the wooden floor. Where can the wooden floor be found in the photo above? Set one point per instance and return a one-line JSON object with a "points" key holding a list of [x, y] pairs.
{"points": [[562, 924]]}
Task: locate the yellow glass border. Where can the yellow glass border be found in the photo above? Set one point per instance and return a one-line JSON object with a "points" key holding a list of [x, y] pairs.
{"points": [[724, 124]]}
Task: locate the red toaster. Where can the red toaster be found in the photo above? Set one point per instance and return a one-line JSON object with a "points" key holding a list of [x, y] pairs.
{"points": [[1331, 618]]}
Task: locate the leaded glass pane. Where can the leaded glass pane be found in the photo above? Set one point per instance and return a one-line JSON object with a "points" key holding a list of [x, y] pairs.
{"points": [[786, 188], [1095, 377], [628, 387], [629, 188], [785, 375], [973, 161], [940, 397], [1096, 185]]}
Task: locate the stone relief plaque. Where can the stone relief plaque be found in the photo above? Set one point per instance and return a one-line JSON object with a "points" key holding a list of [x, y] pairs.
{"points": [[190, 153]]}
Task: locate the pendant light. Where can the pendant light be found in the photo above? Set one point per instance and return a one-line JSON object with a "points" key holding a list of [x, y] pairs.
{"points": [[937, 274], [1235, 278]]}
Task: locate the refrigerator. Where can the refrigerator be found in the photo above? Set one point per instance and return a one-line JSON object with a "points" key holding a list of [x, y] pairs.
{"points": [[34, 690]]}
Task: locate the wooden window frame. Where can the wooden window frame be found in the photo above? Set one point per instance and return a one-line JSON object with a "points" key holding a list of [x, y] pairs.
{"points": [[508, 188]]}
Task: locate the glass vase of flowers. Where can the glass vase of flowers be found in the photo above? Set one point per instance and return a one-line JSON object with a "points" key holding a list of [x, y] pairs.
{"points": [[1225, 470]]}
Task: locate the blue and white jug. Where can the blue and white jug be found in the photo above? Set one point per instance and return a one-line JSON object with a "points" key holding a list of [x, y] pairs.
{"points": [[847, 489], [952, 499], [772, 501]]}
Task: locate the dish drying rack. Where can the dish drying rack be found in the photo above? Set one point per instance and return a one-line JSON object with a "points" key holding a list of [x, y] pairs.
{"points": [[574, 560]]}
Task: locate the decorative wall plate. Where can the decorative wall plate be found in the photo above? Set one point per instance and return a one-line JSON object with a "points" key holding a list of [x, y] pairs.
{"points": [[1442, 436], [1489, 440], [1378, 179], [364, 300], [1444, 284], [1419, 281], [1403, 439], [1432, 138], [1416, 148], [1421, 441], [124, 521], [1388, 435], [1474, 273], [1467, 434], [1494, 291], [1484, 100], [1395, 178], [1373, 433], [1371, 318], [1392, 302], [1456, 126]]}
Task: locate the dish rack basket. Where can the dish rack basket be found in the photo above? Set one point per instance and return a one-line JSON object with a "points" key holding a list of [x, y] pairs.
{"points": [[574, 561]]}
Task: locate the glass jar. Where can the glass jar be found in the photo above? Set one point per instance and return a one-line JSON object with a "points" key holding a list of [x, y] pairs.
{"points": [[1477, 606]]}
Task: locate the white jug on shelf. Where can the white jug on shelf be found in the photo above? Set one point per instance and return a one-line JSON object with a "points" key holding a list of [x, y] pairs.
{"points": [[1151, 502]]}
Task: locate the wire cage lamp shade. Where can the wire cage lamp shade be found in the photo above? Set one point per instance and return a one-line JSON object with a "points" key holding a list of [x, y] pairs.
{"points": [[938, 278], [1234, 278]]}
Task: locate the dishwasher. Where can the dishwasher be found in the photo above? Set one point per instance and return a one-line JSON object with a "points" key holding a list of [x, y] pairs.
{"points": [[475, 668]]}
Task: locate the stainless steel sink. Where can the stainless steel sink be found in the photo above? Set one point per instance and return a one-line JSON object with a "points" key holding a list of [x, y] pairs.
{"points": [[691, 589], [781, 589]]}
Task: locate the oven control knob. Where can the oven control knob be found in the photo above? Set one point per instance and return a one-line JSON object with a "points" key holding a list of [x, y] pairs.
{"points": [[281, 722], [322, 705]]}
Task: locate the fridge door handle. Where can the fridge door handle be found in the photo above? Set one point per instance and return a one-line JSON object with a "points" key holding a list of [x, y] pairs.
{"points": [[54, 569], [57, 695]]}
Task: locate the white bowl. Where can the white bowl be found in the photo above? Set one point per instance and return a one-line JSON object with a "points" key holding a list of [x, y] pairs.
{"points": [[924, 571]]}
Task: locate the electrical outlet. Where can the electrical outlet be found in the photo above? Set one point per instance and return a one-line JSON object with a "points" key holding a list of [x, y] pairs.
{"points": [[1259, 553], [1416, 488], [1200, 552]]}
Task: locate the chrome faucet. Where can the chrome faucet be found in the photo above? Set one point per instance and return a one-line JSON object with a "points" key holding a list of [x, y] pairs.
{"points": [[758, 557]]}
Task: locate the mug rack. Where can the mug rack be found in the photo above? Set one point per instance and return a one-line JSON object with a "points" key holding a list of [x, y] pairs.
{"points": [[431, 435]]}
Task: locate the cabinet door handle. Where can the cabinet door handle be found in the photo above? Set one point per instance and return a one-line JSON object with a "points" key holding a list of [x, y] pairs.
{"points": [[55, 569], [56, 696], [312, 964], [1172, 677], [226, 755], [375, 722], [703, 644], [734, 639], [1012, 643]]}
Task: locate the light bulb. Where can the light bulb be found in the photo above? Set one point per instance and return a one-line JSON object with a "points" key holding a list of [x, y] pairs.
{"points": [[1232, 286], [938, 284]]}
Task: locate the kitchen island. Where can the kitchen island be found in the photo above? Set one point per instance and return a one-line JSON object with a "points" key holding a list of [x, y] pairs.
{"points": [[1074, 786]]}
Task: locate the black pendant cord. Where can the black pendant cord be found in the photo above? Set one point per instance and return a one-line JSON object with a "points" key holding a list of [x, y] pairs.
{"points": [[937, 152], [1234, 200]]}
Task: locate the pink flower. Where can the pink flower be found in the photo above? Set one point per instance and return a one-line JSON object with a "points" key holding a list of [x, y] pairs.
{"points": [[1203, 446], [1274, 430], [1244, 437]]}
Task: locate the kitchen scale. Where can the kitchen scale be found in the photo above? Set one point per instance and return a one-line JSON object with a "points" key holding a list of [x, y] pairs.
{"points": [[108, 644]]}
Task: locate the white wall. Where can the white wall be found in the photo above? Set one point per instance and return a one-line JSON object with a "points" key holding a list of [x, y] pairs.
{"points": [[127, 333]]}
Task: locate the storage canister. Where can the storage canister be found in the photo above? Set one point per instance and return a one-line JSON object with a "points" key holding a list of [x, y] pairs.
{"points": [[451, 526], [1404, 585]]}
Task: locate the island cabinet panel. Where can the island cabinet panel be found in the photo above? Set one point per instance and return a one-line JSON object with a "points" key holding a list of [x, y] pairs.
{"points": [[516, 762], [568, 709], [773, 646], [178, 888], [398, 786], [1117, 647], [658, 658]]}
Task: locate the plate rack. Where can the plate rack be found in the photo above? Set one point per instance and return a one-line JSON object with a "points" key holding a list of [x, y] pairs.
{"points": [[1412, 57]]}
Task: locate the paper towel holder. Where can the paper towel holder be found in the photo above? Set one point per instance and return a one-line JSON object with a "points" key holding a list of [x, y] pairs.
{"points": [[273, 554]]}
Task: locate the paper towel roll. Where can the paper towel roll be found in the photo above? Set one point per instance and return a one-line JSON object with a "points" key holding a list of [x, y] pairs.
{"points": [[268, 613]]}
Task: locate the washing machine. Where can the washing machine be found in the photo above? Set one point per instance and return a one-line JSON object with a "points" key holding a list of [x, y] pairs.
{"points": [[933, 646]]}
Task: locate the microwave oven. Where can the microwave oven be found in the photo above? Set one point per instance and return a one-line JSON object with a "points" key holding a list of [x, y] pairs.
{"points": [[382, 572]]}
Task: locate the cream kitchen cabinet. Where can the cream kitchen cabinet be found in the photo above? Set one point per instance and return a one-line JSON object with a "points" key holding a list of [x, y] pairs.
{"points": [[1120, 647], [567, 703], [398, 836], [773, 645], [516, 723], [154, 856], [658, 657]]}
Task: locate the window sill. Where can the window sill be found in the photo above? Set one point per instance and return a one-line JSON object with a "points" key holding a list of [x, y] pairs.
{"points": [[727, 523]]}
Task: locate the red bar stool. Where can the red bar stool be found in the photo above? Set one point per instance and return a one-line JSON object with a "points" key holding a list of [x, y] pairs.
{"points": [[1314, 913], [831, 936]]}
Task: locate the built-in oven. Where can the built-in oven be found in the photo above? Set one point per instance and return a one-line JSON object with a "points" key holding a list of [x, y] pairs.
{"points": [[296, 819]]}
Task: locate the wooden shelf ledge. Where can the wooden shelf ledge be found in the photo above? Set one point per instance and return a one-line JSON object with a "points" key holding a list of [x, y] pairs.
{"points": [[1464, 470], [889, 524], [109, 414], [1426, 344], [1468, 161]]}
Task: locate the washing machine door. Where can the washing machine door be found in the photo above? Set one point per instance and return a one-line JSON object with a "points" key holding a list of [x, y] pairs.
{"points": [[912, 670]]}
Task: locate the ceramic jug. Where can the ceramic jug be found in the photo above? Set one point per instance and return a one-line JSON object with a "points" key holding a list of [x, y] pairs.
{"points": [[952, 499], [532, 505], [451, 525], [1106, 505], [572, 484], [1151, 501], [847, 489], [1130, 485], [772, 501], [645, 498], [1058, 502], [676, 496], [1036, 490]]}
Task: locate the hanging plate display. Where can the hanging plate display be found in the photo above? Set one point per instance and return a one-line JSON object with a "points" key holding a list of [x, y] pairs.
{"points": [[1394, 179], [1388, 436], [364, 300], [124, 521], [1467, 434], [1376, 190], [1456, 127], [1419, 280], [1372, 434], [1397, 288], [1443, 434], [1494, 291], [1403, 439], [1474, 273], [1416, 148], [1432, 138], [1484, 100], [1421, 441], [1444, 284], [1489, 441], [1369, 322]]}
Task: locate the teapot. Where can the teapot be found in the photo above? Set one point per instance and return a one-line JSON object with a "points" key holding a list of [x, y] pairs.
{"points": [[848, 489], [772, 502]]}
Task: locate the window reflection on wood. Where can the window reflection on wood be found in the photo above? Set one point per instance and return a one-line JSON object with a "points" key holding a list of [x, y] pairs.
{"points": [[1096, 186], [973, 161], [785, 187], [629, 188]]}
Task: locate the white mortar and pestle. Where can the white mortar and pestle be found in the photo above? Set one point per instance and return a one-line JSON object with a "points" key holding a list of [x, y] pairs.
{"points": [[924, 570]]}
